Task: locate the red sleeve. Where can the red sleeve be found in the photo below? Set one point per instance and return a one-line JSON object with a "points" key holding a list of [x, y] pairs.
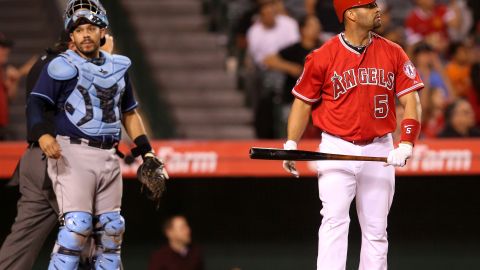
{"points": [[309, 85], [407, 77]]}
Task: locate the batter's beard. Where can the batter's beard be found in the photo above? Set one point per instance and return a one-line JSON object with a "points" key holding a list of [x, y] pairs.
{"points": [[376, 25]]}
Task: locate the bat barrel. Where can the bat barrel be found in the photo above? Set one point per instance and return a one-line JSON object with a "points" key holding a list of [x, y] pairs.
{"points": [[300, 155], [266, 153]]}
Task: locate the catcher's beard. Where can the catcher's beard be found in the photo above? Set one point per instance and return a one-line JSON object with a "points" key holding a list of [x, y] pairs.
{"points": [[88, 53]]}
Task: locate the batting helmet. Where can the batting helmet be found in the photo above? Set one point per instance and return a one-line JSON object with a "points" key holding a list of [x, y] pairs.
{"points": [[342, 5], [78, 11]]}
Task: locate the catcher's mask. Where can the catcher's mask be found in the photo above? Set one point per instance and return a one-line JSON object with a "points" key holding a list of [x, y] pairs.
{"points": [[85, 11]]}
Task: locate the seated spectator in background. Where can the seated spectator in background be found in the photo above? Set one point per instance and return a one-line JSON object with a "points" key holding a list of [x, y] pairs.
{"points": [[271, 32], [7, 83], [458, 69], [179, 253], [388, 29], [433, 114], [474, 93], [430, 68], [430, 21], [324, 10], [295, 8], [290, 61], [436, 91], [460, 121], [9, 79], [460, 28]]}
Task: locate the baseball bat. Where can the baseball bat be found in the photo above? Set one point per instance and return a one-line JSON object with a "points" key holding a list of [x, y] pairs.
{"points": [[301, 155]]}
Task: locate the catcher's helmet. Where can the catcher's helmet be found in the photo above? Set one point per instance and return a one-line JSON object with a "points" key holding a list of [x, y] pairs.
{"points": [[342, 5], [78, 11]]}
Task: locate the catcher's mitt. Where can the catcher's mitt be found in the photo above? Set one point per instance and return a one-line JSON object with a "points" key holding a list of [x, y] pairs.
{"points": [[153, 176]]}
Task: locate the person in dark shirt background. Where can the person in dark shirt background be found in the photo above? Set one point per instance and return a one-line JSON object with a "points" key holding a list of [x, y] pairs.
{"points": [[460, 121], [290, 61], [178, 253]]}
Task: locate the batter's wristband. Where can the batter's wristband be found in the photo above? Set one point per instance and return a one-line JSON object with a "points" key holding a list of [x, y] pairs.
{"points": [[410, 130], [143, 146]]}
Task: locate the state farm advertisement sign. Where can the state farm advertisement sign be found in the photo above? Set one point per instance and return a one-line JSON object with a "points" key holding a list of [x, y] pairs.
{"points": [[231, 159], [440, 157]]}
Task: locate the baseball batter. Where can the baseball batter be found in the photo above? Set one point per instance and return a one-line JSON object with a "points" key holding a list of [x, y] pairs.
{"points": [[91, 92], [349, 86]]}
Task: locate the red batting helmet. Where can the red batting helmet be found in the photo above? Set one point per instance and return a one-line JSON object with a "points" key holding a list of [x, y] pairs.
{"points": [[342, 5]]}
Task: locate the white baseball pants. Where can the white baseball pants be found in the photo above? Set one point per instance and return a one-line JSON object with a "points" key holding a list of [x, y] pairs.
{"points": [[372, 185]]}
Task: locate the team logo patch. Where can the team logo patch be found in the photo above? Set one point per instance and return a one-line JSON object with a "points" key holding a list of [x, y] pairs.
{"points": [[409, 70]]}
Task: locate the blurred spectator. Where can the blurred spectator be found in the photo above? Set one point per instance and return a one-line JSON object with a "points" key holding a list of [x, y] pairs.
{"points": [[474, 94], [388, 29], [474, 6], [458, 69], [179, 253], [459, 29], [239, 14], [290, 61], [437, 88], [295, 8], [434, 119], [460, 121], [430, 68], [324, 10], [9, 78], [271, 32], [430, 21]]}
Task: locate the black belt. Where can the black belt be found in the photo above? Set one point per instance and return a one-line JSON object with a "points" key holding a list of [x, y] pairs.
{"points": [[361, 142], [96, 144]]}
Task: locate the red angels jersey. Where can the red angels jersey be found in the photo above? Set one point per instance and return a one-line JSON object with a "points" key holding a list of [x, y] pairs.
{"points": [[353, 94]]}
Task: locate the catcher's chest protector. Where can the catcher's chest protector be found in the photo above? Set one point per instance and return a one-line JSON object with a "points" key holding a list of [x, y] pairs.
{"points": [[94, 105]]}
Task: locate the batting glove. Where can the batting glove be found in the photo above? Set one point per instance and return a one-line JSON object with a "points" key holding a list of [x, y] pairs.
{"points": [[289, 165], [398, 156]]}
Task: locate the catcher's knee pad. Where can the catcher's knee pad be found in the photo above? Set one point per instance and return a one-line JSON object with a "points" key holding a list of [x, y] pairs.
{"points": [[110, 228], [62, 261], [109, 232], [76, 228], [108, 261]]}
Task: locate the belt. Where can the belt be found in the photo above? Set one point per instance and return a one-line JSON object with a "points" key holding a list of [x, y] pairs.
{"points": [[361, 142], [355, 142], [96, 144]]}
